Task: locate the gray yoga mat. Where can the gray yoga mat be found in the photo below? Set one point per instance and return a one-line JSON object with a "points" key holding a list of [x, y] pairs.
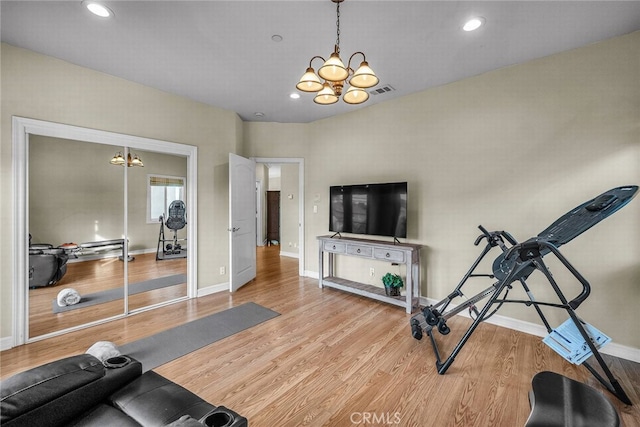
{"points": [[168, 345], [117, 293]]}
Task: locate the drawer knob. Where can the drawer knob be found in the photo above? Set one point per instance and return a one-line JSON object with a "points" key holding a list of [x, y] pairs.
{"points": [[334, 246], [388, 255], [358, 251]]}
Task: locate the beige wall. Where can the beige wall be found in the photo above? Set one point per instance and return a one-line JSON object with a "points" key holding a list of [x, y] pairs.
{"points": [[262, 175], [44, 88], [76, 195], [289, 199], [513, 150]]}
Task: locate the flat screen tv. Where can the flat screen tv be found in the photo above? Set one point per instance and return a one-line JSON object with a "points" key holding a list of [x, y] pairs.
{"points": [[375, 209]]}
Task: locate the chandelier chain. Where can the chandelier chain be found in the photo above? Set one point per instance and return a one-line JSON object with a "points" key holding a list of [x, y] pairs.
{"points": [[338, 27]]}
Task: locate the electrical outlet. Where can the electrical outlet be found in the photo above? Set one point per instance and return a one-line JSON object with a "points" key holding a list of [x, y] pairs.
{"points": [[222, 271], [372, 272]]}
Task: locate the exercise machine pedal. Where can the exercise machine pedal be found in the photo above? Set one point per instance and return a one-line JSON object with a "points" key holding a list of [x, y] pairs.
{"points": [[416, 330], [431, 316]]}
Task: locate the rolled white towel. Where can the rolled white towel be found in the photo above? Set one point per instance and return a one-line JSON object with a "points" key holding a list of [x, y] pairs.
{"points": [[68, 296], [103, 350]]}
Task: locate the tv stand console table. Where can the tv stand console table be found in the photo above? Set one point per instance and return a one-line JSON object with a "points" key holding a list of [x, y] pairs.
{"points": [[396, 253]]}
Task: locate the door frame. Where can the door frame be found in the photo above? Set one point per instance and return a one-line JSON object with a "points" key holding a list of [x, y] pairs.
{"points": [[259, 220], [301, 224], [21, 129]]}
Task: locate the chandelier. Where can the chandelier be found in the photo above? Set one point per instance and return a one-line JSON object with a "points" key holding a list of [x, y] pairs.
{"points": [[118, 159], [335, 74]]}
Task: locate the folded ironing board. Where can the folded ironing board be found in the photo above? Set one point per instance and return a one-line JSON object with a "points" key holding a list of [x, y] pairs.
{"points": [[514, 264]]}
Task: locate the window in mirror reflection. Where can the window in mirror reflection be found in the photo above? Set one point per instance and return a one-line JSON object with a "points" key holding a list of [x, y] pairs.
{"points": [[161, 191]]}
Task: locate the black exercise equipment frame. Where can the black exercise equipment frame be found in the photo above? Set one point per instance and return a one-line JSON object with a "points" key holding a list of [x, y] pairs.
{"points": [[516, 263]]}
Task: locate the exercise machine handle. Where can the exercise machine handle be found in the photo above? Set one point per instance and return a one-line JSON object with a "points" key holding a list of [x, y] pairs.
{"points": [[495, 238], [586, 287], [509, 237], [484, 234]]}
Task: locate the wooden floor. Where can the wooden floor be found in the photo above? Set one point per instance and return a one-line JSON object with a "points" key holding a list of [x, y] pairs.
{"points": [[88, 277], [336, 359]]}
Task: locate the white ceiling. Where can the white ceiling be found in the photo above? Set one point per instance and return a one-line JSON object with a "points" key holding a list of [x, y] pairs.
{"points": [[221, 53]]}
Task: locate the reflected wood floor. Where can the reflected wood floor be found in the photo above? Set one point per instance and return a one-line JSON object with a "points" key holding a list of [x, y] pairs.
{"points": [[88, 277], [333, 359]]}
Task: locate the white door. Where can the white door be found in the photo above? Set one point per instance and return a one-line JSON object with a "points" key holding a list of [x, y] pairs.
{"points": [[242, 221]]}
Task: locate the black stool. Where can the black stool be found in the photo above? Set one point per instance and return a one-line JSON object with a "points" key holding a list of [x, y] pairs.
{"points": [[558, 401]]}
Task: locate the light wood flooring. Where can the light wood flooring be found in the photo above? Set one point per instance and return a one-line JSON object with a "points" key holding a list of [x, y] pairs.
{"points": [[334, 359], [88, 277]]}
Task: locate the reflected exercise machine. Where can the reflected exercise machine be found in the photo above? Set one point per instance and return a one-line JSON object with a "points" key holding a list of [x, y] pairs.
{"points": [[176, 220], [516, 263]]}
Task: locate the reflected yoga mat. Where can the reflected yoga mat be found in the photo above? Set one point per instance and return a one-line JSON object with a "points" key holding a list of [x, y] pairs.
{"points": [[116, 293], [176, 342]]}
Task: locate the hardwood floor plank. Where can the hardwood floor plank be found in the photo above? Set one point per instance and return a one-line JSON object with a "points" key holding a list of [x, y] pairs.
{"points": [[332, 358]]}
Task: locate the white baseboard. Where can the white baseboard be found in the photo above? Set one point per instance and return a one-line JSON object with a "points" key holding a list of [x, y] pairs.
{"points": [[612, 349], [6, 343], [212, 289], [290, 254], [312, 274]]}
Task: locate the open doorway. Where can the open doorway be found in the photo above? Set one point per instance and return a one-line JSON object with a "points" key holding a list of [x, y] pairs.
{"points": [[283, 177]]}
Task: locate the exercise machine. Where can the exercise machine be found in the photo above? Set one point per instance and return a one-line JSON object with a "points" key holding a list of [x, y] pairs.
{"points": [[47, 265], [97, 247], [515, 263], [176, 220]]}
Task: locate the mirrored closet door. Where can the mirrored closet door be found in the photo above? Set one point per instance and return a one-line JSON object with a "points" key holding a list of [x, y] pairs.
{"points": [[157, 228], [106, 226], [76, 227]]}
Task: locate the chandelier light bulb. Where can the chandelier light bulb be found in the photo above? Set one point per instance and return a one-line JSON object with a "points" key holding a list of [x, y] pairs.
{"points": [[326, 96], [309, 82], [364, 77], [136, 161], [118, 159], [355, 95], [334, 70]]}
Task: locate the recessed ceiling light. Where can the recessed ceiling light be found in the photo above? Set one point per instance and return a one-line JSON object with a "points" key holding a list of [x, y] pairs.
{"points": [[276, 38], [98, 9], [259, 114], [473, 23], [294, 95]]}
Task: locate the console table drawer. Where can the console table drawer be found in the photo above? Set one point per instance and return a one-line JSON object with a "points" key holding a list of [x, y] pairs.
{"points": [[337, 247], [388, 255], [360, 250]]}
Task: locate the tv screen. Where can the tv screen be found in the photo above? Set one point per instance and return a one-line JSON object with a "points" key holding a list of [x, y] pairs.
{"points": [[375, 209]]}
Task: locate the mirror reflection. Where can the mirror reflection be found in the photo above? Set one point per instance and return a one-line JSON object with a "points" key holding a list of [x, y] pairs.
{"points": [[157, 229], [85, 237]]}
